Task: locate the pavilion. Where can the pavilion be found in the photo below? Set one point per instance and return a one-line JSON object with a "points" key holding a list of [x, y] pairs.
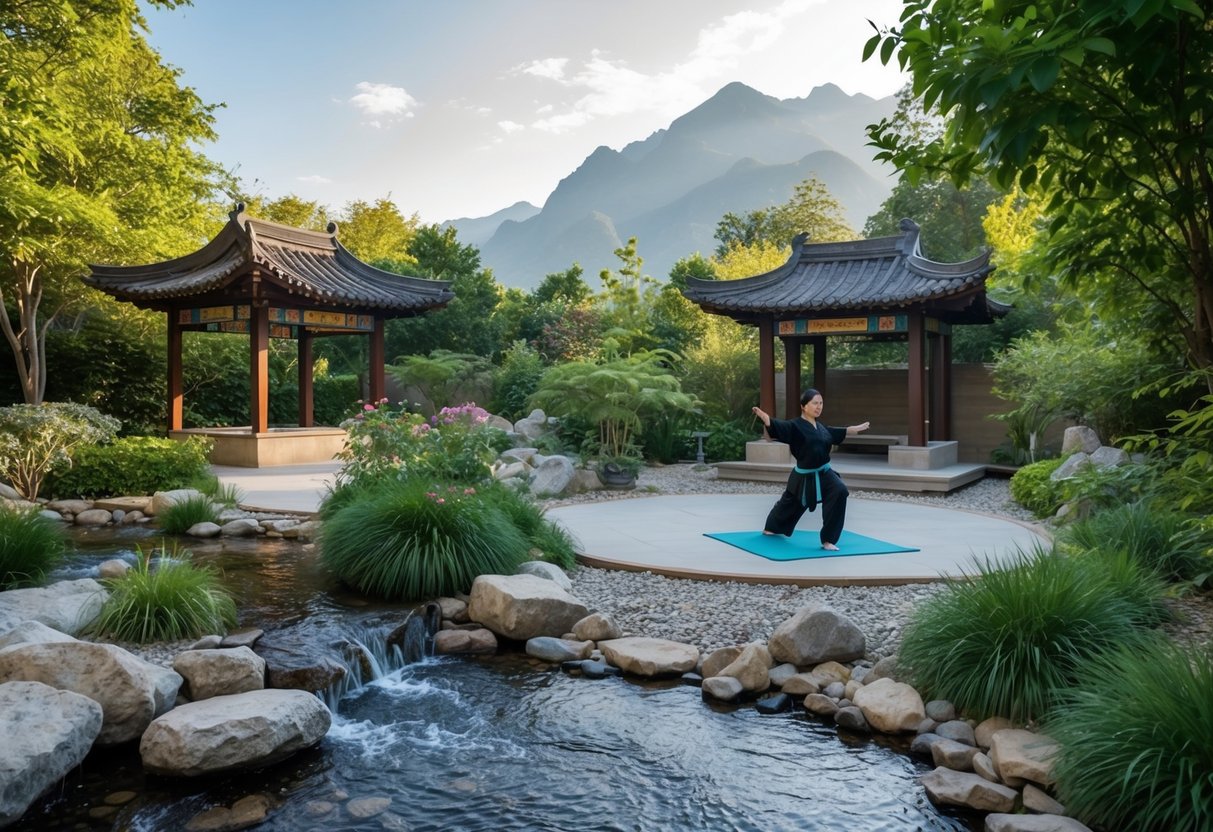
{"points": [[271, 281], [881, 289]]}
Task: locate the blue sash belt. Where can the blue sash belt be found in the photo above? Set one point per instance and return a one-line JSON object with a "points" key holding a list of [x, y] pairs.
{"points": [[816, 472]]}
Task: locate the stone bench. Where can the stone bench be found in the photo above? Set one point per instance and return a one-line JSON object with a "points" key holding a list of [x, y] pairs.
{"points": [[881, 439]]}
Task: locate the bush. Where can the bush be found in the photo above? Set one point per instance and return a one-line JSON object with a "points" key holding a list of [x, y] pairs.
{"points": [[518, 377], [728, 440], [172, 600], [667, 438], [410, 540], [1006, 642], [38, 439], [30, 547], [542, 534], [1153, 536], [1136, 741], [184, 514], [133, 465], [1032, 488]]}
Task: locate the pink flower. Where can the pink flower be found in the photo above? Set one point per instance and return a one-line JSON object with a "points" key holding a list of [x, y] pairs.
{"points": [[440, 501], [368, 407], [469, 491]]}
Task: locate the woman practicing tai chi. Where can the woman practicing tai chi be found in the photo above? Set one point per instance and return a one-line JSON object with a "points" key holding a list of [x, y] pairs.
{"points": [[812, 481]]}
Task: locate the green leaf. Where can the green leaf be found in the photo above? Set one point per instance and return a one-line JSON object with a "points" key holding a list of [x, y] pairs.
{"points": [[1043, 73], [1101, 45]]}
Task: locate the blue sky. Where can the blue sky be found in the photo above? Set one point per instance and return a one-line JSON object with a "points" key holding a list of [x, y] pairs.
{"points": [[463, 107]]}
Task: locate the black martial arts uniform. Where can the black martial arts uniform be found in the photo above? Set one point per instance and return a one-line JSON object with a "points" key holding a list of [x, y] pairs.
{"points": [[812, 481]]}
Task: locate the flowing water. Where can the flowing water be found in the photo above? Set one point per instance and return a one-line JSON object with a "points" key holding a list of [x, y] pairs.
{"points": [[496, 743]]}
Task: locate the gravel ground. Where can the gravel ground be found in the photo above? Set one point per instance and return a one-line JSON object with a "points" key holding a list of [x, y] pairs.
{"points": [[712, 614]]}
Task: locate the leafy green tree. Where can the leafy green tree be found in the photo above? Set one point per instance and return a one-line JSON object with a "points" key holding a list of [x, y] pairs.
{"points": [[811, 210], [746, 230], [626, 301], [96, 135], [567, 287], [468, 324], [289, 210], [950, 217], [439, 255], [377, 231], [446, 378], [1098, 106]]}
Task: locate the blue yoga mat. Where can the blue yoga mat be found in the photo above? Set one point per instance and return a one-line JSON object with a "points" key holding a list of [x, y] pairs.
{"points": [[806, 545]]}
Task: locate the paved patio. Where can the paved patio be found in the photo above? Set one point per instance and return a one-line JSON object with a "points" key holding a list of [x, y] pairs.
{"points": [[665, 534]]}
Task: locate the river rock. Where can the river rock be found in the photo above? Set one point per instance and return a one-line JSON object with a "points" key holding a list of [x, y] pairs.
{"points": [[94, 517], [941, 710], [820, 704], [816, 634], [891, 707], [464, 642], [1018, 753], [220, 672], [1109, 457], [557, 650], [959, 788], [543, 569], [69, 506], [67, 606], [650, 657], [952, 754], [718, 660], [801, 684], [112, 568], [520, 607], [1071, 467], [131, 692], [244, 527], [533, 426], [552, 477], [724, 688], [751, 668], [226, 733], [1038, 800], [291, 666], [851, 718], [204, 529], [242, 638], [597, 626], [1033, 823], [245, 813], [983, 766], [47, 733], [988, 727], [781, 673]]}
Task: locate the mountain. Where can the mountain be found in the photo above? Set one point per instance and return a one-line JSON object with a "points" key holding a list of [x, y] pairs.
{"points": [[476, 231], [737, 151]]}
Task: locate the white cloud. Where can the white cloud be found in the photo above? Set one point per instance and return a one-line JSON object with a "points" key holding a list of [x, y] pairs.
{"points": [[510, 126], [550, 68], [383, 102], [314, 179]]}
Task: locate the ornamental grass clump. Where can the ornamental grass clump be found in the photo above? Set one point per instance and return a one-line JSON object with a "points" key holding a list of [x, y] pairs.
{"points": [[551, 540], [165, 598], [1155, 537], [183, 515], [410, 540], [1136, 740], [30, 547], [1005, 642]]}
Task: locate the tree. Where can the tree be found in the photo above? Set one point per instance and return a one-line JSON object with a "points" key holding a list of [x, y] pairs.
{"points": [[439, 255], [97, 161], [566, 286], [950, 217], [626, 301], [377, 231], [1100, 107], [811, 210], [289, 210]]}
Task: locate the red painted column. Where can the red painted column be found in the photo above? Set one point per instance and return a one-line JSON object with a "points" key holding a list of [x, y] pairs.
{"points": [[259, 367], [176, 385], [306, 397], [917, 380], [766, 365], [377, 381], [791, 377]]}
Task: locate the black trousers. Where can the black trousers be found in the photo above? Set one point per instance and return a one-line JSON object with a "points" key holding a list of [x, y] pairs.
{"points": [[800, 496]]}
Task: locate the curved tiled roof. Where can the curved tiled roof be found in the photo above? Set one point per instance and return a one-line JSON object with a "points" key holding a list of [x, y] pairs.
{"points": [[311, 264], [884, 273]]}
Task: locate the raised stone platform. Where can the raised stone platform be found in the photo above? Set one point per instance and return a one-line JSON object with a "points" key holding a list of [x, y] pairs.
{"points": [[240, 447]]}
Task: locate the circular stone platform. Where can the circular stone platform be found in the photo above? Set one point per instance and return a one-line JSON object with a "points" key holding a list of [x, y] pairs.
{"points": [[665, 535]]}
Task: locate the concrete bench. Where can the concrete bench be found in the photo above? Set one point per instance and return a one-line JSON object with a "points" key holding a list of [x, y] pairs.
{"points": [[879, 439]]}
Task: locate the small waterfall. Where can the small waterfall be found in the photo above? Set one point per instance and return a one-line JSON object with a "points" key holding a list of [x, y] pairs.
{"points": [[370, 653]]}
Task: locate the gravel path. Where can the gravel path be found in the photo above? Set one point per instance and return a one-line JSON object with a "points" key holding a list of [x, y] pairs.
{"points": [[711, 614]]}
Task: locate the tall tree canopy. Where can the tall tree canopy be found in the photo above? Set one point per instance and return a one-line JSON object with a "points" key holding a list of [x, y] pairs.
{"points": [[1101, 107], [811, 210], [98, 160]]}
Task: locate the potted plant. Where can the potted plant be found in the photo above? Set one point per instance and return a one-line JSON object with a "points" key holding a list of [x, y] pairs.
{"points": [[614, 397]]}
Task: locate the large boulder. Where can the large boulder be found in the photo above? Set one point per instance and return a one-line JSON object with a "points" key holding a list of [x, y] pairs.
{"points": [[1023, 754], [464, 642], [891, 707], [814, 635], [163, 500], [1033, 823], [296, 665], [47, 733], [552, 477], [221, 672], [1073, 465], [596, 626], [961, 788], [543, 569], [131, 692], [520, 607], [533, 426], [66, 606], [226, 733], [650, 657], [32, 632], [752, 668], [1079, 438]]}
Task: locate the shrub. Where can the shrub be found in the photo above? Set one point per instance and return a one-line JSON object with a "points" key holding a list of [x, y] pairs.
{"points": [[518, 377], [1032, 488], [542, 534], [30, 547], [728, 440], [132, 465], [409, 540], [182, 515], [1151, 535], [1005, 642], [171, 600], [37, 439], [667, 438], [1136, 740]]}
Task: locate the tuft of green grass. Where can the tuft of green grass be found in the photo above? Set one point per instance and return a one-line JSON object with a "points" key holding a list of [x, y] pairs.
{"points": [[1136, 740], [225, 494], [542, 534], [1155, 537], [180, 517], [408, 540], [30, 547], [166, 599], [1005, 642]]}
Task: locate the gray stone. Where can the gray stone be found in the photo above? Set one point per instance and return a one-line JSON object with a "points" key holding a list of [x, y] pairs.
{"points": [[226, 733], [650, 657], [724, 688], [47, 733], [557, 650], [1070, 468], [941, 710], [1079, 438], [112, 568], [454, 609], [959, 788], [1033, 823], [32, 632], [243, 638], [533, 426], [781, 673], [291, 665], [210, 642], [523, 606], [162, 500], [94, 517], [523, 455], [1017, 753], [886, 668], [597, 626], [246, 527], [204, 529], [69, 506], [952, 754], [512, 470], [923, 743], [368, 807], [776, 704], [1108, 457], [552, 477], [958, 730], [543, 569], [66, 606], [891, 707], [816, 634], [718, 660], [1039, 801], [220, 672], [820, 704], [852, 718], [245, 813], [984, 767], [464, 642]]}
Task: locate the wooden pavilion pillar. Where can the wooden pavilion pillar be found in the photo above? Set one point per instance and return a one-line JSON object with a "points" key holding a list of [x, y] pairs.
{"points": [[176, 385], [941, 385], [819, 364], [766, 365], [376, 381], [791, 377], [259, 367], [306, 397], [917, 379]]}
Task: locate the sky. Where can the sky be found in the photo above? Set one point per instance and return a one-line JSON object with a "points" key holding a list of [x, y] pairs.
{"points": [[461, 108]]}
